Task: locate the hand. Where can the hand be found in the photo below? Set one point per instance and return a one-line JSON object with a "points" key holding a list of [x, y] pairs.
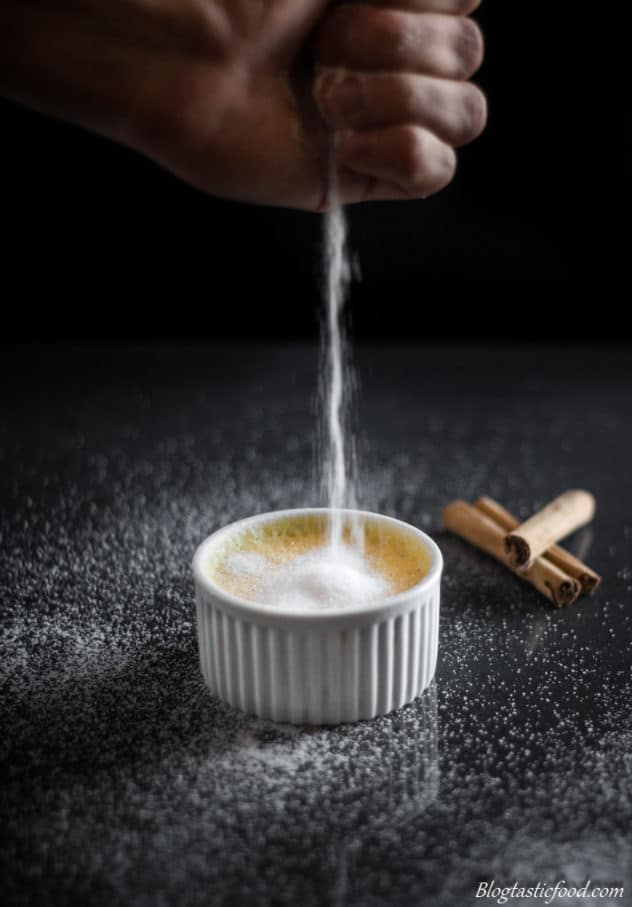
{"points": [[393, 88], [222, 92]]}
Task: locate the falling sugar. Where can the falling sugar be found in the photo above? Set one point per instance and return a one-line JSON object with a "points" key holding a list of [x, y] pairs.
{"points": [[337, 377]]}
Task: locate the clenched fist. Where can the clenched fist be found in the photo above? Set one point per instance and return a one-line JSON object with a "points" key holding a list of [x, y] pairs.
{"points": [[248, 99]]}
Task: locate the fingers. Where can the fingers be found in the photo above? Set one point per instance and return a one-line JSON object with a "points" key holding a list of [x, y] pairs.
{"points": [[413, 161], [393, 88], [372, 38], [455, 111]]}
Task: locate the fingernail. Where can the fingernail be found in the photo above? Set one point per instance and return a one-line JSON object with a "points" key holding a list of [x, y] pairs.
{"points": [[343, 96]]}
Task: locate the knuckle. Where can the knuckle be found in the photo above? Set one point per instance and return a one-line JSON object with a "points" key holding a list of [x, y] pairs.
{"points": [[439, 175], [474, 113], [434, 97], [445, 170], [405, 95], [469, 46], [412, 155], [426, 164], [432, 185], [386, 28]]}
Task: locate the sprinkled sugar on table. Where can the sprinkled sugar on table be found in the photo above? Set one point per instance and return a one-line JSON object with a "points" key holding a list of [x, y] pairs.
{"points": [[127, 783]]}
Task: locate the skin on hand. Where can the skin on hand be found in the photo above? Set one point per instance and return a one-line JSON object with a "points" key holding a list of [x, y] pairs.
{"points": [[245, 98], [394, 88]]}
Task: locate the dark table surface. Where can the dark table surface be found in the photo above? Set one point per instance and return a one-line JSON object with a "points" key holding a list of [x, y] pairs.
{"points": [[127, 783]]}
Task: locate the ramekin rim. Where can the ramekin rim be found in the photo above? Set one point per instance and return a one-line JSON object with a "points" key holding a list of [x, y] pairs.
{"points": [[257, 609]]}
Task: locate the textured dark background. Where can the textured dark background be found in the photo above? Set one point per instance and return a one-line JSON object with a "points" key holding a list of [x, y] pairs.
{"points": [[99, 242], [127, 784]]}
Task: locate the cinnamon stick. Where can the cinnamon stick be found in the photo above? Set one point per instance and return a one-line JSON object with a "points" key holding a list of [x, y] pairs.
{"points": [[568, 563], [483, 532], [558, 519]]}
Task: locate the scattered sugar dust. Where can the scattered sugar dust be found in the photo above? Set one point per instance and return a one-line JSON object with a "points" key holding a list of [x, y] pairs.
{"points": [[127, 783]]}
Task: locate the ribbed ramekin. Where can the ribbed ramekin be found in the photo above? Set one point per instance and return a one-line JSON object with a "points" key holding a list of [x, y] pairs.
{"points": [[317, 667]]}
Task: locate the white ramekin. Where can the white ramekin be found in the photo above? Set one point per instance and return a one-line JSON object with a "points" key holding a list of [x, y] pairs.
{"points": [[317, 667]]}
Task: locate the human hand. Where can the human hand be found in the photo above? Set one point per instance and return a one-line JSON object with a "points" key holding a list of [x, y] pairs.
{"points": [[393, 88], [222, 92]]}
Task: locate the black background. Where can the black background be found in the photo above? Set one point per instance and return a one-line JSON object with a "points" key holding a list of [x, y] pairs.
{"points": [[125, 784], [101, 243]]}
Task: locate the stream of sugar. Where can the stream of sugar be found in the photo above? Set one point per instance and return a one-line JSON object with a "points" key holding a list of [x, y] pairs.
{"points": [[336, 575], [337, 378]]}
